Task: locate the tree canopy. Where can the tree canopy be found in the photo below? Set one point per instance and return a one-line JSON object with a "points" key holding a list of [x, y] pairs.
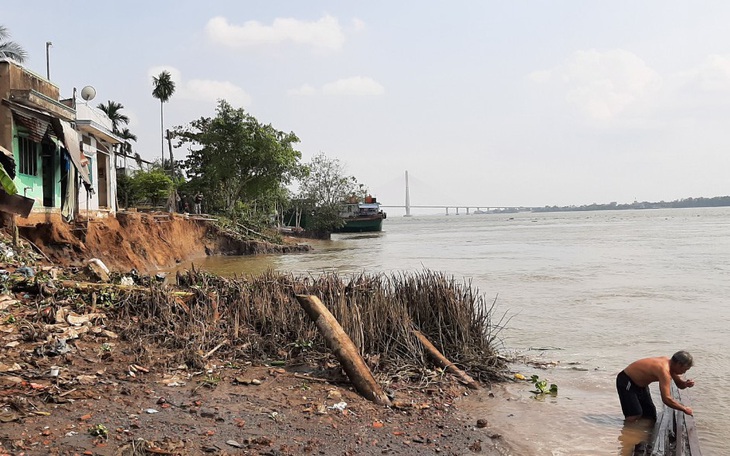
{"points": [[10, 49], [323, 187], [163, 88], [234, 158], [113, 110]]}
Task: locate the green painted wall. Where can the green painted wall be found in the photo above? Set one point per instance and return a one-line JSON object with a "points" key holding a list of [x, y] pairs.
{"points": [[32, 186]]}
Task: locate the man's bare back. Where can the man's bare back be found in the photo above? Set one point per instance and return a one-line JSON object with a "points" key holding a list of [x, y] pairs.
{"points": [[636, 398], [648, 370]]}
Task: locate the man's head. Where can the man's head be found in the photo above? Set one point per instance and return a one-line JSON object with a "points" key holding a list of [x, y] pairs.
{"points": [[681, 362]]}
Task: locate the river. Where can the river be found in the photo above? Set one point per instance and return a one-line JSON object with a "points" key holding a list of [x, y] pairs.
{"points": [[588, 291]]}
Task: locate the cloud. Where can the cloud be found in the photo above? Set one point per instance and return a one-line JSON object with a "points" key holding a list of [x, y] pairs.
{"points": [[712, 75], [602, 84], [323, 34], [356, 85], [204, 89], [358, 24], [208, 90], [303, 90]]}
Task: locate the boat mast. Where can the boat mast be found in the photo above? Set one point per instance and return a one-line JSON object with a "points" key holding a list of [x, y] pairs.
{"points": [[408, 198]]}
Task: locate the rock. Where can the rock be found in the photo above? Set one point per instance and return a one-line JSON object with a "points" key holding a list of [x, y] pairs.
{"points": [[207, 413], [482, 423]]}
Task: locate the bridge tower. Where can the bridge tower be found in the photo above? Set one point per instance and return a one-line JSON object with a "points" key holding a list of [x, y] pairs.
{"points": [[408, 198]]}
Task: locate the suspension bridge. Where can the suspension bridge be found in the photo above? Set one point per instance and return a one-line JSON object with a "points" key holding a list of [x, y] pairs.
{"points": [[456, 209]]}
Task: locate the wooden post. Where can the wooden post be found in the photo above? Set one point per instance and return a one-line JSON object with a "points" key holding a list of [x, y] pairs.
{"points": [[443, 362], [343, 348]]}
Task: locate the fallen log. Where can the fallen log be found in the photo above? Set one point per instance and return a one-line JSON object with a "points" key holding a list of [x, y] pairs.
{"points": [[443, 362], [92, 286], [343, 348]]}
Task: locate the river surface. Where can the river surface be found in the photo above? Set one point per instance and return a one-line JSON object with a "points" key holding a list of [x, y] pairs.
{"points": [[590, 291]]}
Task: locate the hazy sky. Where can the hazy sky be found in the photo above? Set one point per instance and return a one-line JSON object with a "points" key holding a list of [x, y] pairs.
{"points": [[483, 102]]}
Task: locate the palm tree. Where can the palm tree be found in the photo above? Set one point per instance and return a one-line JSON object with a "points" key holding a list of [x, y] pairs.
{"points": [[113, 110], [164, 87], [10, 49], [127, 136]]}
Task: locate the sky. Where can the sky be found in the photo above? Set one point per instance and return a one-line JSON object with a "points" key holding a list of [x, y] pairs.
{"points": [[484, 103]]}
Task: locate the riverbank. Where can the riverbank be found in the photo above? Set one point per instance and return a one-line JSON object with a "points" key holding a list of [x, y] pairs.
{"points": [[146, 242], [108, 369]]}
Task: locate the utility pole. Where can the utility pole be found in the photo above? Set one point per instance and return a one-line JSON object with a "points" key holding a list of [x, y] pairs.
{"points": [[48, 60]]}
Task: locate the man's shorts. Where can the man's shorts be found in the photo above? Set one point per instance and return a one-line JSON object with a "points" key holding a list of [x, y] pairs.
{"points": [[635, 400]]}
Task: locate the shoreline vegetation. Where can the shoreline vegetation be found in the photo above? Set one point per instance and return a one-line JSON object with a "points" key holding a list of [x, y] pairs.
{"points": [[717, 201], [120, 346]]}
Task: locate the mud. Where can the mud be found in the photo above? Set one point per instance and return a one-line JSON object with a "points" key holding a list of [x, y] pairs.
{"points": [[70, 385]]}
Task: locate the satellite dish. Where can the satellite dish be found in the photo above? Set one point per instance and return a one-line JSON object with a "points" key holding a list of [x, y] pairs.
{"points": [[88, 93]]}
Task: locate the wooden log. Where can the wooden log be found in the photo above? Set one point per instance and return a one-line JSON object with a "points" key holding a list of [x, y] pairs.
{"points": [[343, 348], [693, 441], [443, 362], [678, 433], [661, 432], [93, 286]]}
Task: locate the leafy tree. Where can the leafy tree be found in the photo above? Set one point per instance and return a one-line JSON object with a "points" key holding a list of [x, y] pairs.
{"points": [[322, 189], [163, 89], [235, 158], [151, 186], [113, 110], [10, 49]]}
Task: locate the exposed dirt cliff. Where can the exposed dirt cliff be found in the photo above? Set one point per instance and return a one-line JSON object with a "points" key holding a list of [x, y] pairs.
{"points": [[142, 241]]}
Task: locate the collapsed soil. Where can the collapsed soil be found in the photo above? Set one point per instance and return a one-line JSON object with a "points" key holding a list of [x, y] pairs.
{"points": [[97, 393], [145, 242]]}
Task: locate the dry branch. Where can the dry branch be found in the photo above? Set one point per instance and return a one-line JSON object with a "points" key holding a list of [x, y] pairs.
{"points": [[91, 286], [443, 362], [343, 348]]}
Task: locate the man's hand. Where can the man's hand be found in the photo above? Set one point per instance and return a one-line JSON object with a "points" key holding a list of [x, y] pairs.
{"points": [[689, 383], [688, 411]]}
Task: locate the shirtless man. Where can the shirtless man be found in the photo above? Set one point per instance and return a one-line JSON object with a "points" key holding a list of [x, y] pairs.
{"points": [[633, 382]]}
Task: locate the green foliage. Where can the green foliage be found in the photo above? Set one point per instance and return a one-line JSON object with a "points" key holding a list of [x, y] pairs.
{"points": [[10, 49], [163, 86], [153, 186], [7, 183], [234, 158], [113, 110], [144, 187], [541, 386], [99, 431], [323, 186]]}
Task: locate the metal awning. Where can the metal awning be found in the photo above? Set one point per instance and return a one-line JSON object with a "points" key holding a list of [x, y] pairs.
{"points": [[61, 128]]}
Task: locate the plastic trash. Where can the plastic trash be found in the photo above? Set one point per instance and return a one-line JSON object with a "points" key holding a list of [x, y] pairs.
{"points": [[26, 271], [340, 406]]}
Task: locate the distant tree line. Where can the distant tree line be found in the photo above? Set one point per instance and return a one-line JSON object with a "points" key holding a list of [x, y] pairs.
{"points": [[717, 201]]}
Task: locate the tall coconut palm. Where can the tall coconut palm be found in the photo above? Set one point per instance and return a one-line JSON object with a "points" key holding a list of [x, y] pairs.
{"points": [[10, 49], [163, 89], [113, 110]]}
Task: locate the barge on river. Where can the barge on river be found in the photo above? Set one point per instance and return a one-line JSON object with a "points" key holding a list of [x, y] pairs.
{"points": [[361, 216]]}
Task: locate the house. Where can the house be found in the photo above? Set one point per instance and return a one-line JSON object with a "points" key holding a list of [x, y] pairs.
{"points": [[97, 145], [46, 137]]}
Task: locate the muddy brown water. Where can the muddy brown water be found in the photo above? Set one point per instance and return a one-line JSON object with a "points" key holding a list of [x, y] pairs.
{"points": [[586, 293]]}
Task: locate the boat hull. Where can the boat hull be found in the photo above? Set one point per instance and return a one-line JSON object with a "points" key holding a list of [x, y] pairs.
{"points": [[361, 225]]}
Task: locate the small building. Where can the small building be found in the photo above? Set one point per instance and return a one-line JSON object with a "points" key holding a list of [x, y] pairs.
{"points": [[46, 137], [97, 144]]}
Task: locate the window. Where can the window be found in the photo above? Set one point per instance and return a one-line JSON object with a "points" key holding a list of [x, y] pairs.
{"points": [[28, 155]]}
